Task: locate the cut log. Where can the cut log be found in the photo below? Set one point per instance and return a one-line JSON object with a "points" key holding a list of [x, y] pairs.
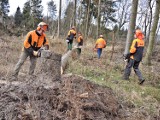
{"points": [[65, 59]]}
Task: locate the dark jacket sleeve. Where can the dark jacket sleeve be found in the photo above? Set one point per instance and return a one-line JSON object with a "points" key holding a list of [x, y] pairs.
{"points": [[30, 49]]}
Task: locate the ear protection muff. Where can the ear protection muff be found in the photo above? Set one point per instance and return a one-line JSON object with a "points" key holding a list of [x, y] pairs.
{"points": [[38, 28]]}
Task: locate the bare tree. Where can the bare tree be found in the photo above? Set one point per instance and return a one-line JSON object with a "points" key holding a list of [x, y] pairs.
{"points": [[88, 15], [98, 18], [79, 17], [147, 59], [75, 11], [123, 15], [145, 16], [148, 19], [131, 25], [59, 18]]}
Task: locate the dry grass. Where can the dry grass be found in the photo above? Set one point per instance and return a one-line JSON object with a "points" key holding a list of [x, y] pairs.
{"points": [[109, 73], [135, 99]]}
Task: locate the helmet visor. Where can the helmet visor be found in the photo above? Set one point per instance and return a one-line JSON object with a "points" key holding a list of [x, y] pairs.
{"points": [[45, 27]]}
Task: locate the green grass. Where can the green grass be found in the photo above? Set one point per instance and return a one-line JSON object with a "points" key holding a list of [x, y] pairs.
{"points": [[126, 90]]}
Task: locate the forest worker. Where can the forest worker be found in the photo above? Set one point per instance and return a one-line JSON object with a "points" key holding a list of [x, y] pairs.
{"points": [[135, 56], [70, 37], [100, 44], [80, 43], [31, 47]]}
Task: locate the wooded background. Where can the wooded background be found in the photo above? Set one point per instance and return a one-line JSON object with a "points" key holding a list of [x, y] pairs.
{"points": [[91, 17]]}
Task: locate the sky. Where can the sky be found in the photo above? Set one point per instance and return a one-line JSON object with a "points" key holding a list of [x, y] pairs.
{"points": [[15, 3]]}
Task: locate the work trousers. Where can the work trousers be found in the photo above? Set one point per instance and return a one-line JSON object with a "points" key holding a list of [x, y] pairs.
{"points": [[135, 65], [79, 51], [70, 44], [22, 59], [99, 52]]}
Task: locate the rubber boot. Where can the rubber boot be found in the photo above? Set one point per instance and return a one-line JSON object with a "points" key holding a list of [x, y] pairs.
{"points": [[78, 52], [125, 75], [70, 46], [141, 81]]}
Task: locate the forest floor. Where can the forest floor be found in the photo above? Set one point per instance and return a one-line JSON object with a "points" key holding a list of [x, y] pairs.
{"points": [[90, 88]]}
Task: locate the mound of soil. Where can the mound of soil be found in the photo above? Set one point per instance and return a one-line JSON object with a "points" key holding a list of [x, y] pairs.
{"points": [[74, 99]]}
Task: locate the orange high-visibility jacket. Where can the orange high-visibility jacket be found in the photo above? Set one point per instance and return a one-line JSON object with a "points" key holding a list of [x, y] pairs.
{"points": [[71, 34], [34, 41], [80, 40], [137, 49], [100, 43]]}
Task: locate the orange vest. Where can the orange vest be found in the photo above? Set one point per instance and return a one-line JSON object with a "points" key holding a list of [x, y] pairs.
{"points": [[35, 41], [100, 43], [137, 49], [80, 38], [71, 32]]}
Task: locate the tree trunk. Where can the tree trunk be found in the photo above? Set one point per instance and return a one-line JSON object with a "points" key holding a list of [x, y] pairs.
{"points": [[65, 58], [59, 18], [98, 18], [150, 19], [147, 59], [87, 22], [113, 45], [74, 18], [79, 16], [131, 25]]}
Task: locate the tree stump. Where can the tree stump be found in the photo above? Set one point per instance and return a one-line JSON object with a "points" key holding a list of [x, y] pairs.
{"points": [[48, 70]]}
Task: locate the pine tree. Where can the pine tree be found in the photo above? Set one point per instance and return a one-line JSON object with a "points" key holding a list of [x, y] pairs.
{"points": [[36, 12], [52, 9], [27, 15], [68, 16], [4, 10], [18, 17]]}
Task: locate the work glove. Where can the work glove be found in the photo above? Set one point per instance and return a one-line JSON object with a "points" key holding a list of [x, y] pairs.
{"points": [[46, 47], [127, 56], [35, 53], [95, 49], [80, 46], [67, 41]]}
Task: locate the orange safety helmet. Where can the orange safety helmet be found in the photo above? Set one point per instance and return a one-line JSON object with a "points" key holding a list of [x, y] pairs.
{"points": [[43, 26]]}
